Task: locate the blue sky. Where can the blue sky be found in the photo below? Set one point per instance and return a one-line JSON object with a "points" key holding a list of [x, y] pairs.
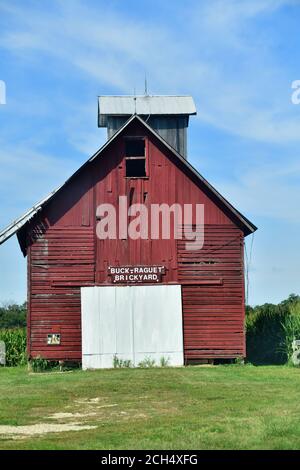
{"points": [[238, 60]]}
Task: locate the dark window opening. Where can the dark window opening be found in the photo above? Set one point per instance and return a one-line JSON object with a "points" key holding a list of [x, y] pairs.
{"points": [[135, 148], [136, 168], [135, 158]]}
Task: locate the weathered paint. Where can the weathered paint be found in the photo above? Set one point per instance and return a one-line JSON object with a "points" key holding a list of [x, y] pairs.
{"points": [[173, 129], [20, 226], [65, 254], [212, 290]]}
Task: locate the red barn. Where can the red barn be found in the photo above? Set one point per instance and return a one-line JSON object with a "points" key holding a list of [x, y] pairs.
{"points": [[97, 292]]}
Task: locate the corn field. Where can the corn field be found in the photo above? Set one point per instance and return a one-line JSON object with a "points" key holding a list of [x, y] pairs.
{"points": [[15, 342], [271, 330], [291, 327]]}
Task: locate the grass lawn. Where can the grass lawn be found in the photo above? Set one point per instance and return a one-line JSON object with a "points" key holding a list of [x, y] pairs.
{"points": [[221, 407]]}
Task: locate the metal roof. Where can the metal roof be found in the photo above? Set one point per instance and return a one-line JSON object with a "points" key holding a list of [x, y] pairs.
{"points": [[144, 105], [16, 225]]}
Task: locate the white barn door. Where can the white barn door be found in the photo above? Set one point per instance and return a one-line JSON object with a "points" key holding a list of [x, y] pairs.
{"points": [[132, 323]]}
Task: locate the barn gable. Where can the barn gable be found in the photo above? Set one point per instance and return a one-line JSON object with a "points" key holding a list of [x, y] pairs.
{"points": [[70, 268], [71, 196]]}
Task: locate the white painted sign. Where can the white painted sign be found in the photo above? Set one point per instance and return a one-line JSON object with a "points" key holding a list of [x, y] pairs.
{"points": [[53, 339], [132, 323], [135, 274]]}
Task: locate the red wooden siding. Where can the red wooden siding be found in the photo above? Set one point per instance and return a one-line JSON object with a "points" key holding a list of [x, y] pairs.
{"points": [[62, 260], [167, 183], [213, 294], [65, 254]]}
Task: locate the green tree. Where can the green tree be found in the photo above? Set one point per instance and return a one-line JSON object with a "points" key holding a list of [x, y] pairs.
{"points": [[13, 315]]}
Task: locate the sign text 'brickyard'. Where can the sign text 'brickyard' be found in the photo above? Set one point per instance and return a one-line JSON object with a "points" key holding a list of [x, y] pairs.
{"points": [[134, 274]]}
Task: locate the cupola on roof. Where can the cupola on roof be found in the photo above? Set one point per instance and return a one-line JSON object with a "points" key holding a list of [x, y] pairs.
{"points": [[168, 115]]}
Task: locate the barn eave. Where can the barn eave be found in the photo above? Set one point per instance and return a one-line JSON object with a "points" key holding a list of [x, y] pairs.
{"points": [[17, 225]]}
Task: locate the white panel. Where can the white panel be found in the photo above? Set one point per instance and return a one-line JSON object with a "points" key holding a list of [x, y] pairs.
{"points": [[133, 322], [158, 323], [90, 320], [124, 323], [107, 304]]}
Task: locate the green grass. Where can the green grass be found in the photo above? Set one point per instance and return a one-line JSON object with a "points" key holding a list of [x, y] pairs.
{"points": [[221, 407]]}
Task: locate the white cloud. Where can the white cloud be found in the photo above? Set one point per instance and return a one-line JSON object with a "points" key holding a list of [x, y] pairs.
{"points": [[81, 130], [113, 48], [227, 16], [249, 98], [216, 50], [26, 177], [268, 190]]}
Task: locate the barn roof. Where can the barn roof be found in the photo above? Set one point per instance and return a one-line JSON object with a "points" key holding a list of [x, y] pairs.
{"points": [[144, 105], [16, 225]]}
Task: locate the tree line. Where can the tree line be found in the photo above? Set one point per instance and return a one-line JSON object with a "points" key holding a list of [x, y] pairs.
{"points": [[270, 328], [13, 315]]}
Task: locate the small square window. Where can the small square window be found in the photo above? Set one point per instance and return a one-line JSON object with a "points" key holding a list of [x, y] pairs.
{"points": [[136, 168], [135, 148], [135, 158]]}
